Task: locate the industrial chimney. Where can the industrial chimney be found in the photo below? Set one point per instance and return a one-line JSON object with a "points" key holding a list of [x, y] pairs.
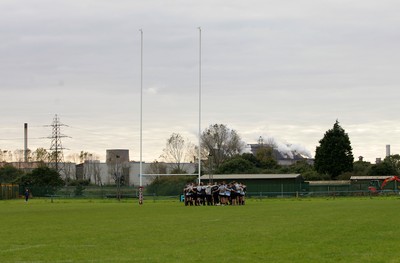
{"points": [[26, 142], [387, 150]]}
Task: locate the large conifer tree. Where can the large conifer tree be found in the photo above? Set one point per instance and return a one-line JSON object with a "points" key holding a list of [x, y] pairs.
{"points": [[334, 154]]}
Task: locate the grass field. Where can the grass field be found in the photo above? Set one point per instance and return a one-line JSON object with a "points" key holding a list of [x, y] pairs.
{"points": [[269, 230]]}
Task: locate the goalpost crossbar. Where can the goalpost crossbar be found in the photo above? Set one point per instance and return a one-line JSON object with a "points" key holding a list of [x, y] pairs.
{"points": [[167, 174]]}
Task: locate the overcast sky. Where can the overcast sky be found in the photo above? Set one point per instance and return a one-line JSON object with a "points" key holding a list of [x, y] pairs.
{"points": [[270, 68]]}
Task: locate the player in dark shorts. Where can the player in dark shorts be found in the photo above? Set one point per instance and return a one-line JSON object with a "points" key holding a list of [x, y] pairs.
{"points": [[215, 193], [201, 194], [26, 195], [188, 192], [209, 194], [234, 193]]}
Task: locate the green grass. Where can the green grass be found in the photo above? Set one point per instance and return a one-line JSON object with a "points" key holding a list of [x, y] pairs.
{"points": [[269, 230]]}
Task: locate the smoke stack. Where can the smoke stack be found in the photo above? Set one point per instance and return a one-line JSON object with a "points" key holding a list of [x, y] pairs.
{"points": [[26, 142], [387, 150]]}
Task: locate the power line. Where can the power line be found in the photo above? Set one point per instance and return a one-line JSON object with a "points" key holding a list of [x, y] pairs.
{"points": [[17, 139]]}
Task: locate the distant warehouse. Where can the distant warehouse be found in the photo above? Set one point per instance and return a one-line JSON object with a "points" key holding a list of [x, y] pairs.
{"points": [[273, 184]]}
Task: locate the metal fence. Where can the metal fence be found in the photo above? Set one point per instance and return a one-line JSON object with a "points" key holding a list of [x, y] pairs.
{"points": [[319, 194], [9, 191], [82, 192], [124, 192]]}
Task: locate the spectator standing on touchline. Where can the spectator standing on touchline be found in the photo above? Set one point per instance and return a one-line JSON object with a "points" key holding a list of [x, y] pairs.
{"points": [[26, 195]]}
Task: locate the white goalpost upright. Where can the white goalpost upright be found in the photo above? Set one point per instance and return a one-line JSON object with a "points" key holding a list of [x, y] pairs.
{"points": [[141, 120], [199, 153]]}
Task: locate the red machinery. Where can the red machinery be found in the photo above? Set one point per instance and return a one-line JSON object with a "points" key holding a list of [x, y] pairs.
{"points": [[375, 187], [390, 179]]}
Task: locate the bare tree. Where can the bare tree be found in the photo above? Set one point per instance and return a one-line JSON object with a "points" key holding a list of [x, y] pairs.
{"points": [[96, 173], [156, 168], [40, 155], [118, 169], [221, 143], [193, 151], [91, 167], [271, 143], [19, 155], [83, 156], [74, 157], [176, 151], [69, 171], [7, 156]]}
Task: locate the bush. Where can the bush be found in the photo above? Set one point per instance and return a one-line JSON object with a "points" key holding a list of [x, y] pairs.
{"points": [[169, 185], [42, 181]]}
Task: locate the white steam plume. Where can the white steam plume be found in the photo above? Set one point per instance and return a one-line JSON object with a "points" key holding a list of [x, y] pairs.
{"points": [[287, 150]]}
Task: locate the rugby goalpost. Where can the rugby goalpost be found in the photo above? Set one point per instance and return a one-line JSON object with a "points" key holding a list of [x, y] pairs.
{"points": [[141, 121]]}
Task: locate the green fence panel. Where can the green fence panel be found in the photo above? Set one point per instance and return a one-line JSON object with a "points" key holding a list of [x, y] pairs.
{"points": [[9, 191]]}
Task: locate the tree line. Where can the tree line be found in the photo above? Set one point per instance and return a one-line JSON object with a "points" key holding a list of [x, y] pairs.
{"points": [[43, 155], [222, 152]]}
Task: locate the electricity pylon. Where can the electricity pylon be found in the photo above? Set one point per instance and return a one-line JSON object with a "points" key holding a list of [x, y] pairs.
{"points": [[56, 149]]}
